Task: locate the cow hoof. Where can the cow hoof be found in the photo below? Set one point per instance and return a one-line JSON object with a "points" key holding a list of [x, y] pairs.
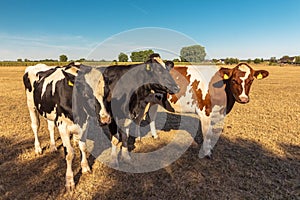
{"points": [[85, 168], [126, 158], [53, 148], [70, 184], [125, 155], [114, 163], [138, 139], [70, 188], [155, 137], [38, 151], [209, 157]]}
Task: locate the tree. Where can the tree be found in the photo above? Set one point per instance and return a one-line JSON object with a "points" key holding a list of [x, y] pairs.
{"points": [[257, 60], [215, 60], [63, 58], [176, 60], [19, 60], [81, 60], [123, 57], [273, 60], [230, 61], [194, 53], [297, 60], [141, 56], [249, 61]]}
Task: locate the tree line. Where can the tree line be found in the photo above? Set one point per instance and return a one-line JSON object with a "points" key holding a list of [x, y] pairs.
{"points": [[193, 54]]}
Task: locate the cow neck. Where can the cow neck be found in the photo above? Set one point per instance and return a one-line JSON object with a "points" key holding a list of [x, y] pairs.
{"points": [[230, 97]]}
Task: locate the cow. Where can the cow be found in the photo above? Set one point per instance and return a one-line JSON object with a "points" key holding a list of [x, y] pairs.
{"points": [[49, 92], [211, 93], [128, 90]]}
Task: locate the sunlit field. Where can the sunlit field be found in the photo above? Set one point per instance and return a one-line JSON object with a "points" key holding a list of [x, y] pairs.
{"points": [[256, 157]]}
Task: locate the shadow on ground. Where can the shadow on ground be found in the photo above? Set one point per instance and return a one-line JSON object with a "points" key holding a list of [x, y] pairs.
{"points": [[240, 169]]}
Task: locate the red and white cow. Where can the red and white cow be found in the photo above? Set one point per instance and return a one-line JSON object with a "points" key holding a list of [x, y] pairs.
{"points": [[211, 93]]}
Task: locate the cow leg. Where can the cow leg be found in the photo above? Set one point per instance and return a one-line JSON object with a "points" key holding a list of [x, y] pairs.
{"points": [[51, 127], [138, 131], [114, 152], [153, 115], [35, 125], [84, 162], [70, 184], [125, 135], [206, 132], [211, 129]]}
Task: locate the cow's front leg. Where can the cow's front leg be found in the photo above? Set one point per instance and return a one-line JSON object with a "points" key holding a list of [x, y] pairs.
{"points": [[212, 127], [114, 152], [152, 115], [124, 151], [205, 150], [51, 127]]}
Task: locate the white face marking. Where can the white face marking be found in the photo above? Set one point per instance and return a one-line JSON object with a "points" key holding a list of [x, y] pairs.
{"points": [[245, 69]]}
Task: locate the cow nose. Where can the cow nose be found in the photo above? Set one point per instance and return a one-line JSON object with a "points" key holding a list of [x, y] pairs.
{"points": [[244, 99]]}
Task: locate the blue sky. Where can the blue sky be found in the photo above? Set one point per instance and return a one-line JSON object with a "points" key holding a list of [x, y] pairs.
{"points": [[36, 29]]}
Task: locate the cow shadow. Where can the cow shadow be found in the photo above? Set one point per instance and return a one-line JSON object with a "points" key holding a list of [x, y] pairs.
{"points": [[166, 122], [241, 169]]}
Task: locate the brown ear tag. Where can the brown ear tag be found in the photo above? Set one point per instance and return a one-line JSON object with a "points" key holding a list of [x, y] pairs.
{"points": [[259, 76], [225, 77]]}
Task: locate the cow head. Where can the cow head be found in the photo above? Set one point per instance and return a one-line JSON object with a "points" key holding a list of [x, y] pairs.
{"points": [[159, 73], [88, 96], [239, 80]]}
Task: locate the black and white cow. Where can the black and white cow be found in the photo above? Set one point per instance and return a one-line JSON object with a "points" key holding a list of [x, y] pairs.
{"points": [[49, 92], [128, 90]]}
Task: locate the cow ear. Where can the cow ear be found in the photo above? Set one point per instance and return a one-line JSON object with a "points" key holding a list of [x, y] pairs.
{"points": [[169, 65], [70, 78], [225, 73], [260, 74]]}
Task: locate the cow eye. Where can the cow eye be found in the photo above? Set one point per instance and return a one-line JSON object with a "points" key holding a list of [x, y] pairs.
{"points": [[234, 81]]}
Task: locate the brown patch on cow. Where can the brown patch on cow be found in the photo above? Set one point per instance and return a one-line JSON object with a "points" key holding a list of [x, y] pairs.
{"points": [[197, 98], [182, 78]]}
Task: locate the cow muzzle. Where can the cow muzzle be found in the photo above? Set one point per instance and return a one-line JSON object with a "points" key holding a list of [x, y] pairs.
{"points": [[243, 100]]}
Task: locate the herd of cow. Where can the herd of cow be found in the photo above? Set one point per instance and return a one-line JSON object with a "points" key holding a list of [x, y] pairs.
{"points": [[69, 96]]}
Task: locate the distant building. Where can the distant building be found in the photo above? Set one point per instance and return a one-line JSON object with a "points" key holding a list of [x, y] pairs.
{"points": [[287, 60]]}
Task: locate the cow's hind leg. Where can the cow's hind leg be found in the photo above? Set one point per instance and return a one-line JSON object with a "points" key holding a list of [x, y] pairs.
{"points": [[84, 162], [35, 125]]}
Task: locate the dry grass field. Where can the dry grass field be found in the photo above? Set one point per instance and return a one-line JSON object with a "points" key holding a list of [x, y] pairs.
{"points": [[256, 157]]}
